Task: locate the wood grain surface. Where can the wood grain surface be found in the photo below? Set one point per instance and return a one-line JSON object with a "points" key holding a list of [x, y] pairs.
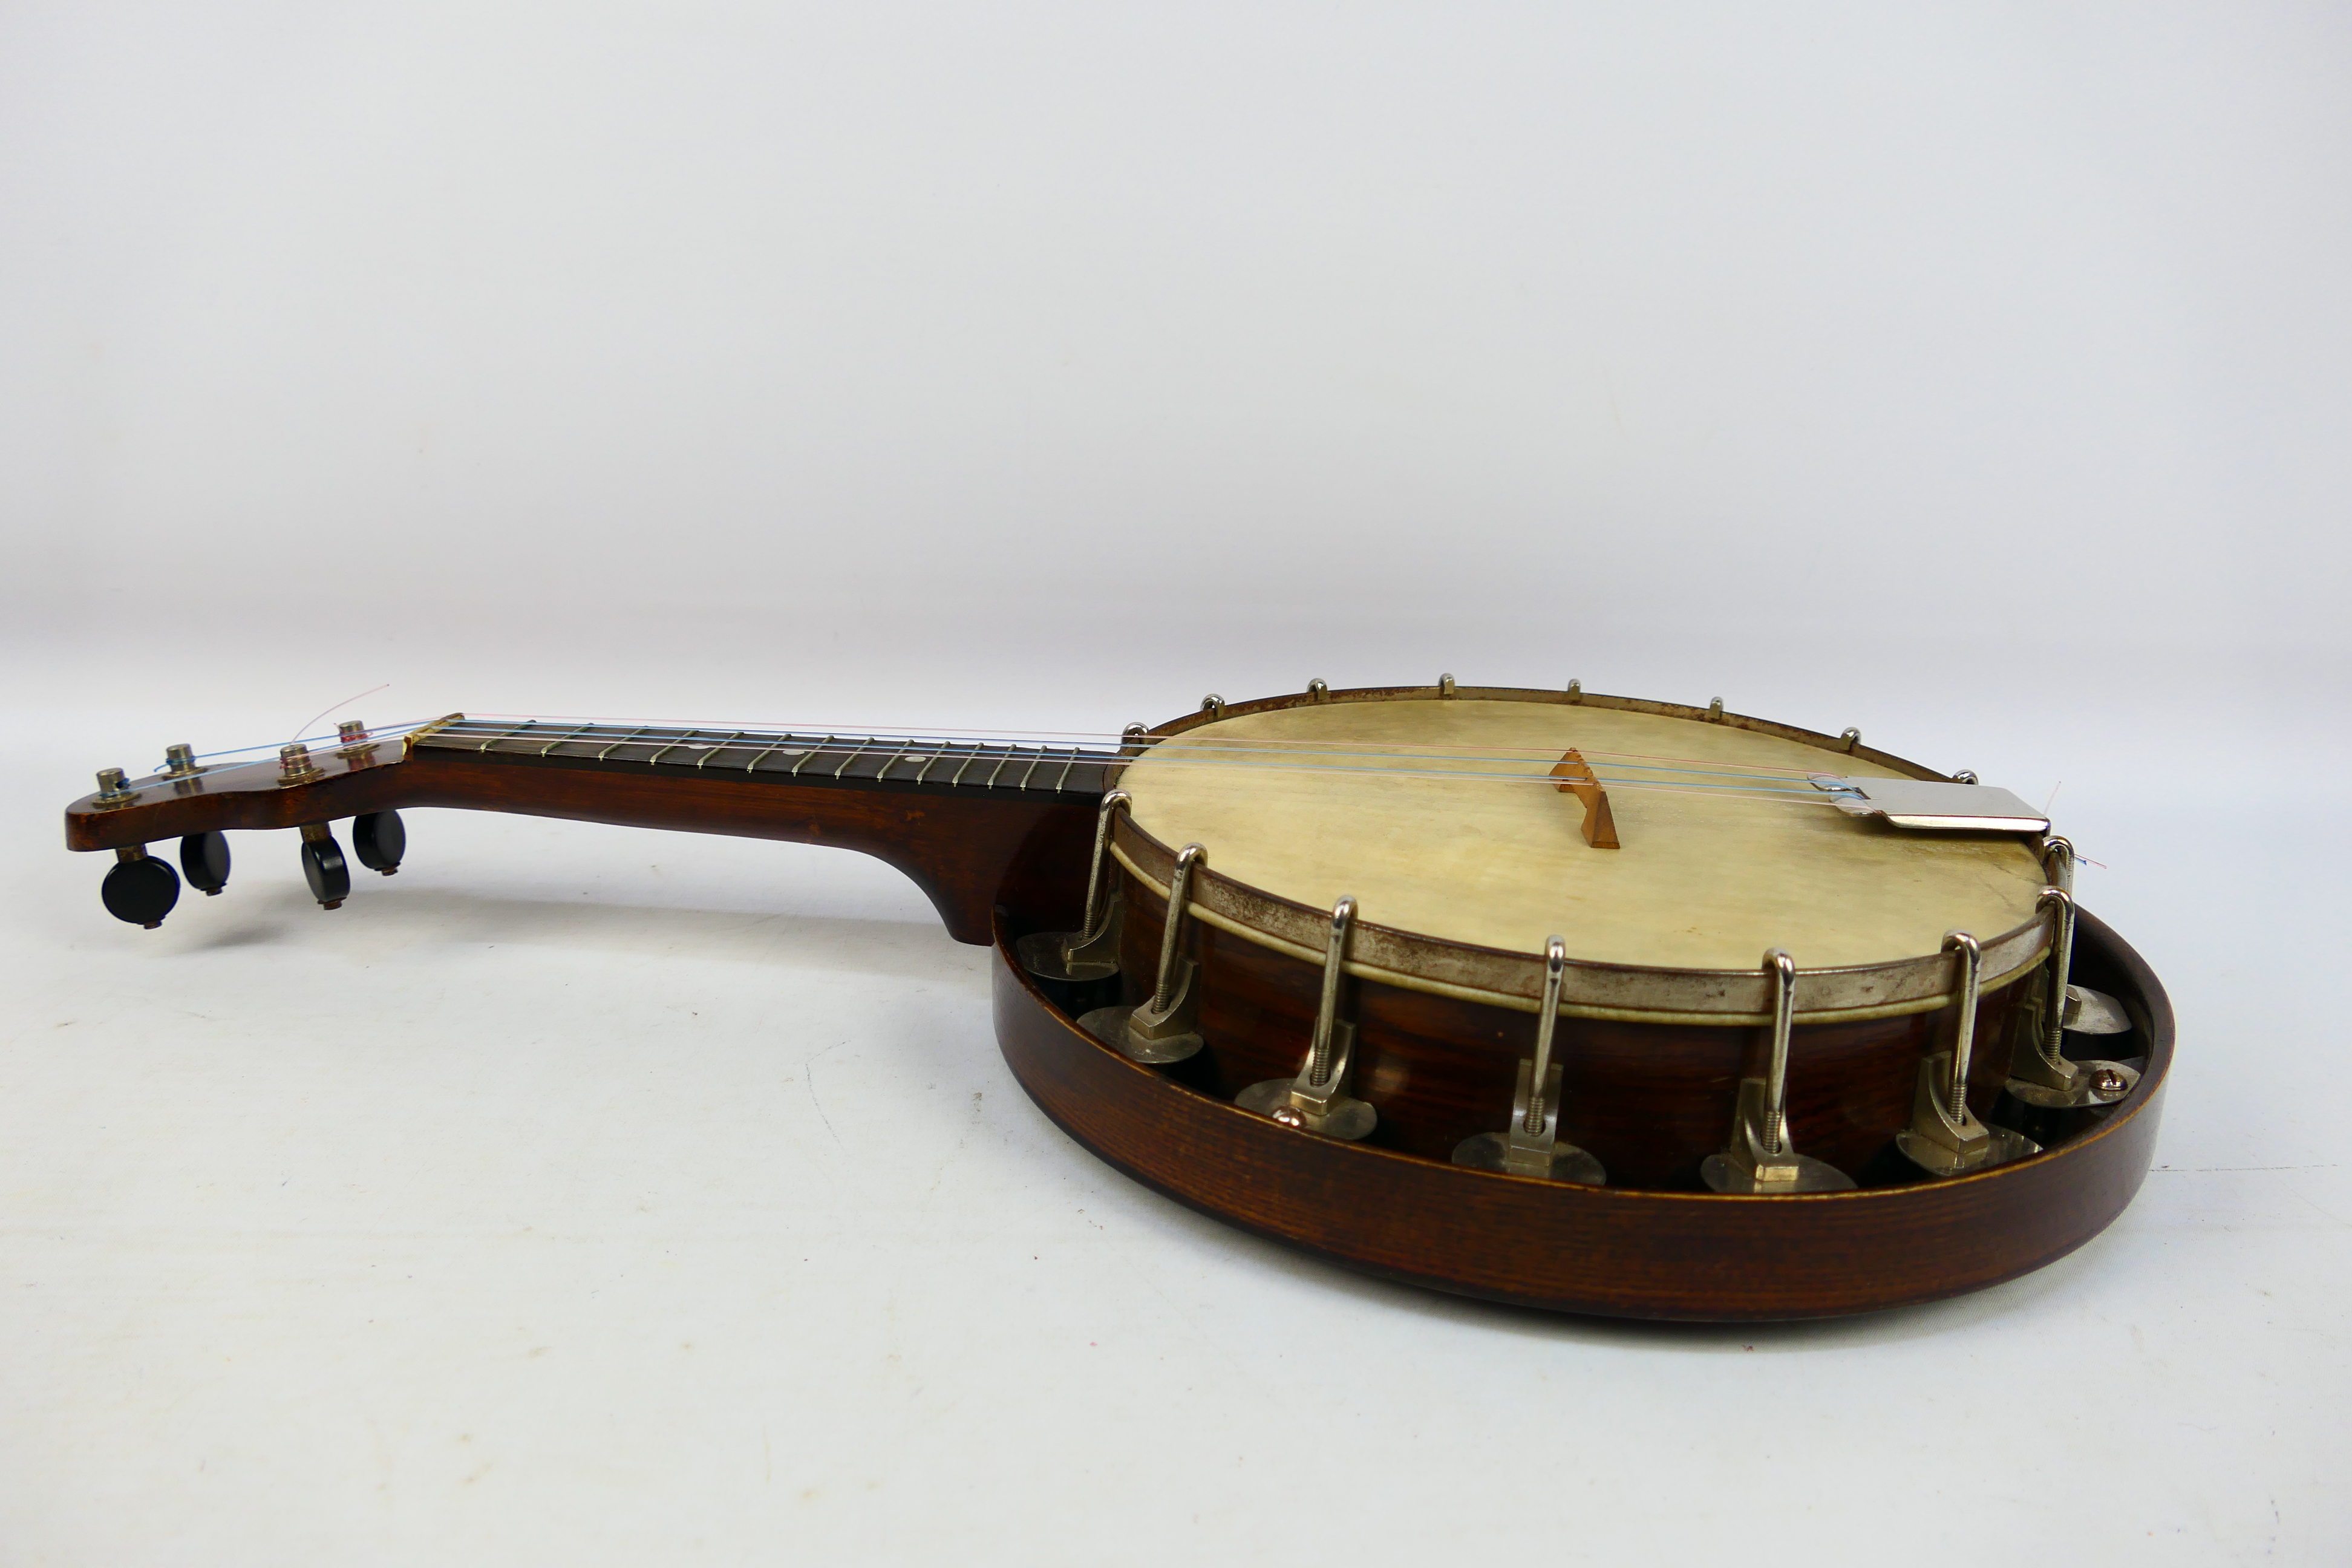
{"points": [[965, 851]]}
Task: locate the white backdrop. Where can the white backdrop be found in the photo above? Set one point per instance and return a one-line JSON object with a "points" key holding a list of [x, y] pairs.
{"points": [[1978, 376]]}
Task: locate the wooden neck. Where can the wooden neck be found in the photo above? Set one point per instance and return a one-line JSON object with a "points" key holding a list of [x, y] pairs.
{"points": [[964, 818]]}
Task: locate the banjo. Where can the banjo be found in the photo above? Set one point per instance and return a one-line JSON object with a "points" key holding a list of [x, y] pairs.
{"points": [[1584, 1003]]}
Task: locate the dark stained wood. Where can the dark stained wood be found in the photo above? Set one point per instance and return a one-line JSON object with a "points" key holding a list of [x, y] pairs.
{"points": [[964, 851], [1695, 1256]]}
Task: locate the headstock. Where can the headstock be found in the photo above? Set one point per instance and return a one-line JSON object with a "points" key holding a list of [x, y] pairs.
{"points": [[197, 802]]}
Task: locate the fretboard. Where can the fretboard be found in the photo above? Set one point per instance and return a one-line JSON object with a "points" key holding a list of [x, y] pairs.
{"points": [[927, 765]]}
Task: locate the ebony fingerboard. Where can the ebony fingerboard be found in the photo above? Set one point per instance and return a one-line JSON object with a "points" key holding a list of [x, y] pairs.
{"points": [[943, 766]]}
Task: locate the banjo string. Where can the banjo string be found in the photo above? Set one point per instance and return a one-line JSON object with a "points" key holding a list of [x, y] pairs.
{"points": [[990, 751], [937, 736], [1761, 783], [986, 748], [1014, 743]]}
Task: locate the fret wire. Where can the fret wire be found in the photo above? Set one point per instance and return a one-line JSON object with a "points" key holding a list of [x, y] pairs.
{"points": [[623, 741], [713, 750], [895, 758], [810, 752], [566, 740], [1002, 752], [779, 744], [509, 735], [673, 746]]}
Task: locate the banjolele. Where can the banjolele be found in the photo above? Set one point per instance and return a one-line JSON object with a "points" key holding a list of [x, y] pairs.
{"points": [[1572, 1001]]}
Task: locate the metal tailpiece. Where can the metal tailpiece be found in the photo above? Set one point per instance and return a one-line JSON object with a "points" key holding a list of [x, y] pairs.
{"points": [[1945, 1138], [1090, 952], [1166, 1028], [1316, 1100], [1932, 805], [1761, 1158], [1532, 1146]]}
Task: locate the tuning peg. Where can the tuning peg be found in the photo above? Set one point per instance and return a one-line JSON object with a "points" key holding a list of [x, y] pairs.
{"points": [[140, 888], [323, 867], [379, 840], [204, 858]]}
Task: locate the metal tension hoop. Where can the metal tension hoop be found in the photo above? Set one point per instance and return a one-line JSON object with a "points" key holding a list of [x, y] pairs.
{"points": [[1761, 1157], [1090, 952], [1532, 1146], [1316, 1100], [1166, 1028], [1945, 1138]]}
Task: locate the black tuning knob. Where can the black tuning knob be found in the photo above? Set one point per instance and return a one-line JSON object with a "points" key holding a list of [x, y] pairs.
{"points": [[203, 856], [323, 867], [139, 888], [379, 840]]}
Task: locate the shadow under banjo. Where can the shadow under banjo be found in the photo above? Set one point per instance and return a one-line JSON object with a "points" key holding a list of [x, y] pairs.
{"points": [[1579, 1002]]}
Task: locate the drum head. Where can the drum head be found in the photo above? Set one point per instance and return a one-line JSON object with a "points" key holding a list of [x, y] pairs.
{"points": [[1727, 850]]}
